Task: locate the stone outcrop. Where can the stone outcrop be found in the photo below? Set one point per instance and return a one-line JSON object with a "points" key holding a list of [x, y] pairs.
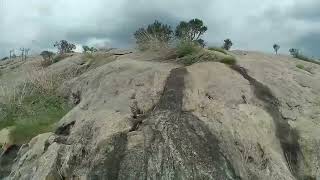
{"points": [[142, 119]]}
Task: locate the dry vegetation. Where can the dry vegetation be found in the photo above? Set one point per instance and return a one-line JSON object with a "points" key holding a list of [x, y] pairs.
{"points": [[31, 107]]}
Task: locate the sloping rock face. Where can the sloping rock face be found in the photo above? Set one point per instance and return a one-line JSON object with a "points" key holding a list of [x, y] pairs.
{"points": [[138, 119]]}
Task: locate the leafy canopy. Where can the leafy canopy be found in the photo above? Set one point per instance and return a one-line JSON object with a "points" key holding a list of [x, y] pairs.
{"points": [[156, 31], [64, 46], [294, 52], [276, 47], [227, 44], [89, 49], [47, 55], [191, 30]]}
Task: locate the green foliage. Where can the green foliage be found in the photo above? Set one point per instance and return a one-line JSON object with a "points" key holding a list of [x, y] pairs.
{"points": [[218, 49], [227, 44], [47, 55], [230, 60], [47, 58], [155, 33], [294, 52], [308, 68], [35, 114], [300, 66], [185, 48], [276, 47], [190, 31], [208, 55], [189, 60], [64, 47], [5, 58], [89, 49], [201, 42]]}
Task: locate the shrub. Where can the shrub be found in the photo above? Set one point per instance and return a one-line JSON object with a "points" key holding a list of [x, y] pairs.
{"points": [[89, 49], [300, 66], [230, 60], [227, 44], [218, 49], [35, 115], [308, 69], [294, 52], [64, 47], [154, 36], [47, 58], [185, 48], [207, 55], [201, 43], [5, 58], [29, 110]]}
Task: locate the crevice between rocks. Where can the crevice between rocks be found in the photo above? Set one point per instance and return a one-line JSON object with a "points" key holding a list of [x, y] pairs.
{"points": [[287, 136]]}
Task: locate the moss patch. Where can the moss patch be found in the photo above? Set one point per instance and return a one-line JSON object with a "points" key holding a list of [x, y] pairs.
{"points": [[218, 50]]}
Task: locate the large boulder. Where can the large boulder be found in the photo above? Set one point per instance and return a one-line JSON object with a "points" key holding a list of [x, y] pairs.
{"points": [[140, 119]]}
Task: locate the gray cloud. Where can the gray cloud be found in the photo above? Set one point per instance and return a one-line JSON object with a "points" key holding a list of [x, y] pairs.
{"points": [[251, 24]]}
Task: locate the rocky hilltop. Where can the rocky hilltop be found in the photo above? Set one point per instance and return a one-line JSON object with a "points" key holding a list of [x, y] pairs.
{"points": [[143, 116]]}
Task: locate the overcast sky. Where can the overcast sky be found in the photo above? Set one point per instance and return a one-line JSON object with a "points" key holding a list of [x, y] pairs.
{"points": [[250, 24]]}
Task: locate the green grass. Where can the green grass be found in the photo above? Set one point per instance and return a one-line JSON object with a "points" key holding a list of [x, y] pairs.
{"points": [[305, 58], [218, 49], [187, 48], [189, 59], [230, 60], [300, 66], [308, 69], [208, 55], [35, 115]]}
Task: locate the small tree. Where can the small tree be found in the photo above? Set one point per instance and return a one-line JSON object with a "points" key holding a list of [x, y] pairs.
{"points": [[294, 52], [47, 55], [157, 33], [89, 49], [191, 30], [64, 47], [227, 44], [276, 47]]}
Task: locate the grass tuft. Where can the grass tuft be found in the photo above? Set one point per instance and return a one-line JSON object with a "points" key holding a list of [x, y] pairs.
{"points": [[218, 49], [300, 66], [33, 115], [208, 55], [187, 48]]}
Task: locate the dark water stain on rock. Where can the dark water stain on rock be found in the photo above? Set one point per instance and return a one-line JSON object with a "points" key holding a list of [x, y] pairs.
{"points": [[181, 146], [288, 136], [109, 167], [7, 159]]}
